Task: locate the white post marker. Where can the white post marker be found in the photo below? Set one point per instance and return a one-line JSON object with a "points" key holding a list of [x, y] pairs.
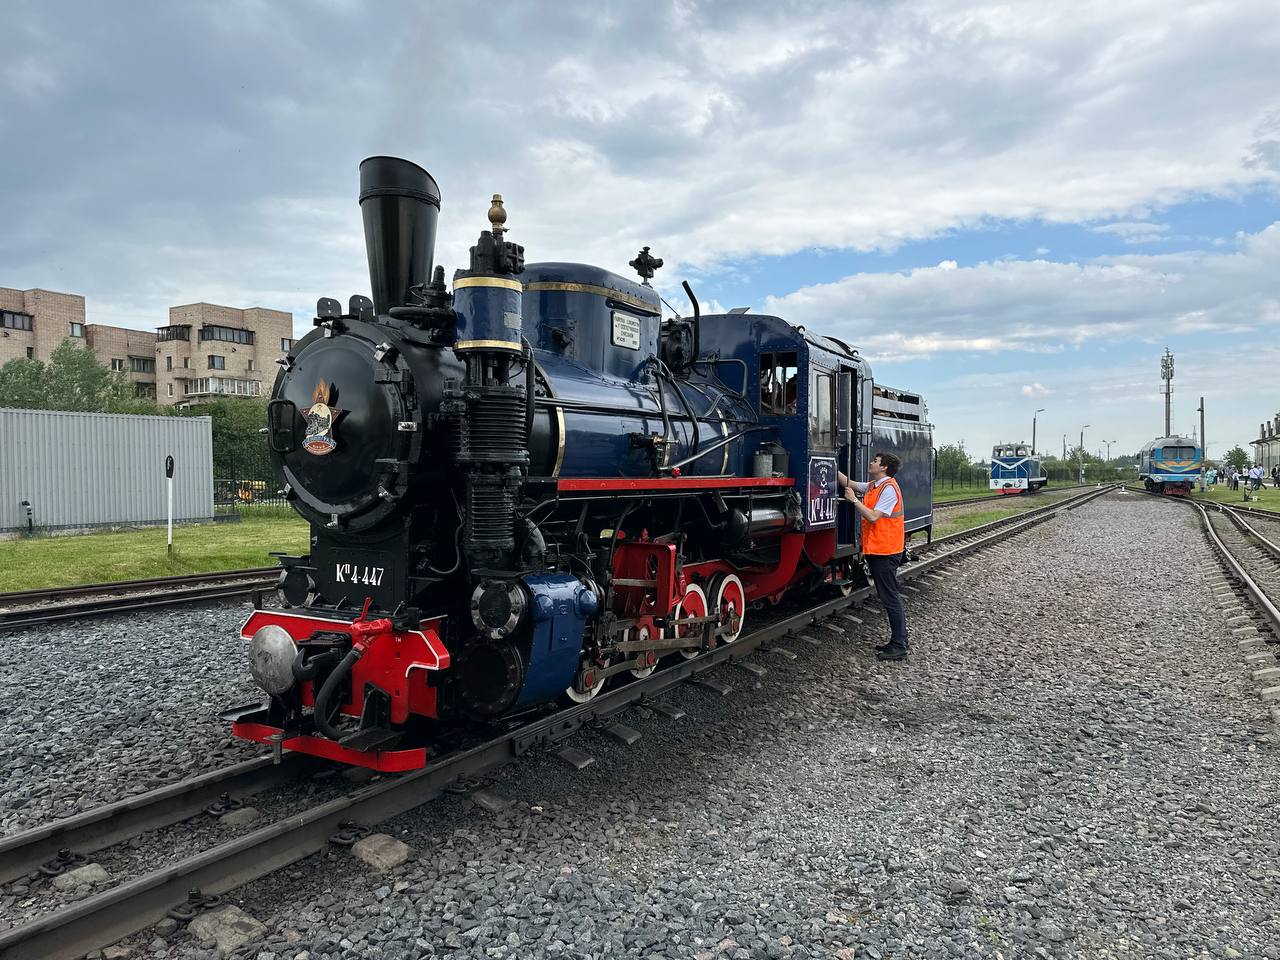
{"points": [[168, 474]]}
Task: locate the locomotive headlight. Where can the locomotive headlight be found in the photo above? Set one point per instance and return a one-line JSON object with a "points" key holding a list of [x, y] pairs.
{"points": [[271, 654]]}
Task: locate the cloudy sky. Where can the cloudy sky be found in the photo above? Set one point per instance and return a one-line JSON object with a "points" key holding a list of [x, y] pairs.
{"points": [[1007, 206]]}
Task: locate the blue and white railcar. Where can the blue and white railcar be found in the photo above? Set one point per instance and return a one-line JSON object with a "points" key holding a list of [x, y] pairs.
{"points": [[1015, 469], [1170, 465]]}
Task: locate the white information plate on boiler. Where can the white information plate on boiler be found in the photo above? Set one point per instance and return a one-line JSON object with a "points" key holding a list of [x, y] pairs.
{"points": [[626, 331]]}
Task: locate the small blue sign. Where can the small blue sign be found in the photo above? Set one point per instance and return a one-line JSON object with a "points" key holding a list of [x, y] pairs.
{"points": [[822, 494]]}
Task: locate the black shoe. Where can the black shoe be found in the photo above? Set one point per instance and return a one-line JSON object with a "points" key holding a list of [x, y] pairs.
{"points": [[892, 652], [883, 647]]}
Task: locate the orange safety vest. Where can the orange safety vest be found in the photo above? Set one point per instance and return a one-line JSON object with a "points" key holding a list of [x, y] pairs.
{"points": [[887, 536]]}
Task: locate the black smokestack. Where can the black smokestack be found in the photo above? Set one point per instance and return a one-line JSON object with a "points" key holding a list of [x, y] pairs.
{"points": [[400, 203]]}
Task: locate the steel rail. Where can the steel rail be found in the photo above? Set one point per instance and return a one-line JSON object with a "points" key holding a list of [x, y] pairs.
{"points": [[1236, 569], [106, 917], [23, 853], [995, 496], [1256, 594], [1243, 525], [54, 613], [114, 586]]}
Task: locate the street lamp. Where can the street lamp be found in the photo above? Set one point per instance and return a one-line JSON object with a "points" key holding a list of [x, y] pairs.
{"points": [[1080, 456], [1108, 443], [1033, 430]]}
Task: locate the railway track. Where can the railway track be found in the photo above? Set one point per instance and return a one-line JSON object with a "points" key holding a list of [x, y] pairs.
{"points": [[130, 906], [1001, 498], [1249, 556], [29, 608]]}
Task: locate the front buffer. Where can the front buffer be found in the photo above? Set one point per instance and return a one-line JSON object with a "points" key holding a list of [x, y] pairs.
{"points": [[368, 669]]}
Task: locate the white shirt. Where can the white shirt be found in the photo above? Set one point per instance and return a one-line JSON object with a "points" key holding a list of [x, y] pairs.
{"points": [[888, 500]]}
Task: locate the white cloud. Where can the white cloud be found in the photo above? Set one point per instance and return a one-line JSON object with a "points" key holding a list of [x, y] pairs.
{"points": [[710, 132], [1035, 390], [1134, 232], [1038, 306]]}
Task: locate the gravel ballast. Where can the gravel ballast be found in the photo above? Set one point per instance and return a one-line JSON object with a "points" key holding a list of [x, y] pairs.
{"points": [[1072, 763], [100, 709]]}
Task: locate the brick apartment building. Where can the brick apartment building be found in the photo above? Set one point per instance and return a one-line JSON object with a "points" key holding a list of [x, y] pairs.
{"points": [[208, 351], [205, 352], [131, 352], [34, 322]]}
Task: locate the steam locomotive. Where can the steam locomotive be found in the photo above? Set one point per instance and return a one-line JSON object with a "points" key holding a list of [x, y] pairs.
{"points": [[531, 485]]}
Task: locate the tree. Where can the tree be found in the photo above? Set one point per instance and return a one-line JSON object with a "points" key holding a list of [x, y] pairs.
{"points": [[73, 379], [25, 384], [1237, 457], [239, 450], [953, 461]]}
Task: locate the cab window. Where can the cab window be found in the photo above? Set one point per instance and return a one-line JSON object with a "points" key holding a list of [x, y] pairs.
{"points": [[822, 422], [778, 383], [1022, 451]]}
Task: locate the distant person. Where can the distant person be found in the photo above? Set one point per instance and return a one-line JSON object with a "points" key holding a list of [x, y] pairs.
{"points": [[883, 541], [1275, 476], [1255, 477], [1211, 476]]}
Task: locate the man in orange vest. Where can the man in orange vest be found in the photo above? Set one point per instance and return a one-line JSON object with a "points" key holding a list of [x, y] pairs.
{"points": [[883, 539]]}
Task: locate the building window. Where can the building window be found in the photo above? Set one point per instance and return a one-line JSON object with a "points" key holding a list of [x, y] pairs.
{"points": [[216, 362], [31, 353], [249, 366], [144, 389], [168, 363], [117, 366], [186, 363], [142, 364], [171, 389], [76, 329], [11, 320], [180, 332], [224, 386], [778, 383], [285, 344], [226, 334]]}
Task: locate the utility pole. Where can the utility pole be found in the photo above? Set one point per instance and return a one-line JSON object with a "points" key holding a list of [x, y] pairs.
{"points": [[1033, 430], [1080, 452], [1204, 447], [1064, 448], [1166, 374]]}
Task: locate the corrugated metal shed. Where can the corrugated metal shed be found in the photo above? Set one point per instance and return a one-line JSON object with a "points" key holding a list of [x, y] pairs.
{"points": [[92, 469]]}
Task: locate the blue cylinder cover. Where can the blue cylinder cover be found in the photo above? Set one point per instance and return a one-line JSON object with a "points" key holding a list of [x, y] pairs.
{"points": [[489, 313]]}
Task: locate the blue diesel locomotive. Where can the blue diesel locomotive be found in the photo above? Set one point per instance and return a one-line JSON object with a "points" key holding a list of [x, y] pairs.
{"points": [[1016, 469], [1170, 465], [531, 484]]}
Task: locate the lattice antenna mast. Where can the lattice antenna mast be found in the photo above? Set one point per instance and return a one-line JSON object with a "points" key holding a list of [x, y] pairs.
{"points": [[1166, 374]]}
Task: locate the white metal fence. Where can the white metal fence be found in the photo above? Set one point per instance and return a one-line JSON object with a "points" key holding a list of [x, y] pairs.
{"points": [[98, 469]]}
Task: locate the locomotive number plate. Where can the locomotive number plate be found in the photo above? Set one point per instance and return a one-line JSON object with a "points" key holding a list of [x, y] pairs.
{"points": [[823, 495], [626, 331], [358, 573]]}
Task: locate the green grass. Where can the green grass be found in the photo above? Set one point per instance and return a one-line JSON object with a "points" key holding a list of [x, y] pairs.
{"points": [[138, 554], [1268, 498], [941, 494], [944, 526]]}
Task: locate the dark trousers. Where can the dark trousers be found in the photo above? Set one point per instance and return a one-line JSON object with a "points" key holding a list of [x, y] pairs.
{"points": [[884, 572]]}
